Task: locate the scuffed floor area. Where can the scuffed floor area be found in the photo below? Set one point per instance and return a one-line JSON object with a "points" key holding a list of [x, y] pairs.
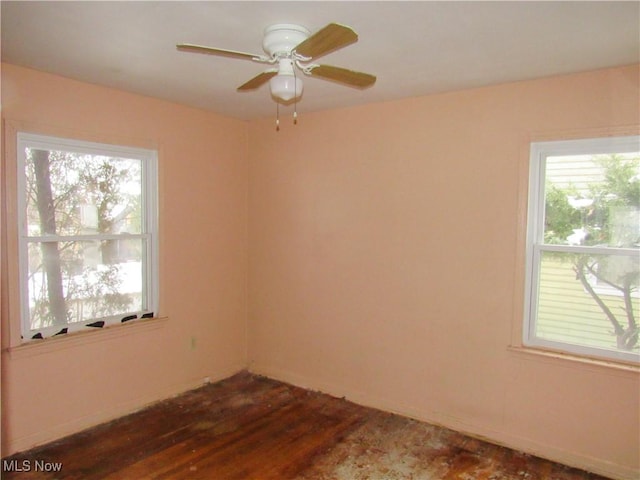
{"points": [[390, 447], [253, 428]]}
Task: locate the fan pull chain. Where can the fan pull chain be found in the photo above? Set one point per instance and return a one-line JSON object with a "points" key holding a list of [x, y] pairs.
{"points": [[295, 101], [277, 117]]}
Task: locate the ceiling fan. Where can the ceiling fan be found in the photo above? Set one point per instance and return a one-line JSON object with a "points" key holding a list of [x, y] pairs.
{"points": [[292, 47]]}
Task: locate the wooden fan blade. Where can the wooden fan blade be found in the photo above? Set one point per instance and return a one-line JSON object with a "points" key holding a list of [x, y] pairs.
{"points": [[258, 80], [187, 47], [342, 75], [325, 40]]}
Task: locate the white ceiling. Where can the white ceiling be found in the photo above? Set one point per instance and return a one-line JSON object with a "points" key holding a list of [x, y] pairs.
{"points": [[414, 48]]}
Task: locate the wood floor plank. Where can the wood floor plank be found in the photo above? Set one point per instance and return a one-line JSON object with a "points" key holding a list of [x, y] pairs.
{"points": [[252, 428]]}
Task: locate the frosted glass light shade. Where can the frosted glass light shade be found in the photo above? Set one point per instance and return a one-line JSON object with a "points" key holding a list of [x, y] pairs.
{"points": [[286, 86]]}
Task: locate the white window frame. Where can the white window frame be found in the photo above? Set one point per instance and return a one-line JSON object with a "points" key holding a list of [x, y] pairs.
{"points": [[149, 161], [539, 152]]}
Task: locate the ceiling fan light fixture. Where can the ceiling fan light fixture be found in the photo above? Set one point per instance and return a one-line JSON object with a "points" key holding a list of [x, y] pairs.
{"points": [[293, 47], [286, 86]]}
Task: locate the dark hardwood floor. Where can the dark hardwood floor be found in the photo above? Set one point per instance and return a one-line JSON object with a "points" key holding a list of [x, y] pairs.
{"points": [[249, 427]]}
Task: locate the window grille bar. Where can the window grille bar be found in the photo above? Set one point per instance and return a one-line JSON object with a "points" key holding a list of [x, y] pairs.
{"points": [[594, 250], [86, 238]]}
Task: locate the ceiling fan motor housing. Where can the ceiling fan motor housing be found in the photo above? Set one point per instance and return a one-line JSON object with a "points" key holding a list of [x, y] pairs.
{"points": [[280, 39]]}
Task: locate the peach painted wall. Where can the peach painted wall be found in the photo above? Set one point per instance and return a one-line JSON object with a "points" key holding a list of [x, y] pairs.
{"points": [[67, 385], [386, 263], [385, 254]]}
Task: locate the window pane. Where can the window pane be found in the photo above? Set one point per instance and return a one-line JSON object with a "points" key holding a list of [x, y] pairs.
{"points": [[589, 300], [72, 282], [593, 200], [81, 194]]}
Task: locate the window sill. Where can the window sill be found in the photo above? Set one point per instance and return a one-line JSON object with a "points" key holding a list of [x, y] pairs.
{"points": [[53, 344], [577, 361]]}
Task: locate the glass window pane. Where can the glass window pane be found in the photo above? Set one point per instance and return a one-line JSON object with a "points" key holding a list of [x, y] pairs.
{"points": [[72, 282], [589, 300], [72, 193], [593, 200]]}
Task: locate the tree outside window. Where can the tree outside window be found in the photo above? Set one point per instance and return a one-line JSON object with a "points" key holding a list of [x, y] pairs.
{"points": [[586, 253], [87, 233]]}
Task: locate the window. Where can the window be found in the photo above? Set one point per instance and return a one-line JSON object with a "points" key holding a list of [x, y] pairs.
{"points": [[583, 247], [87, 234]]}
